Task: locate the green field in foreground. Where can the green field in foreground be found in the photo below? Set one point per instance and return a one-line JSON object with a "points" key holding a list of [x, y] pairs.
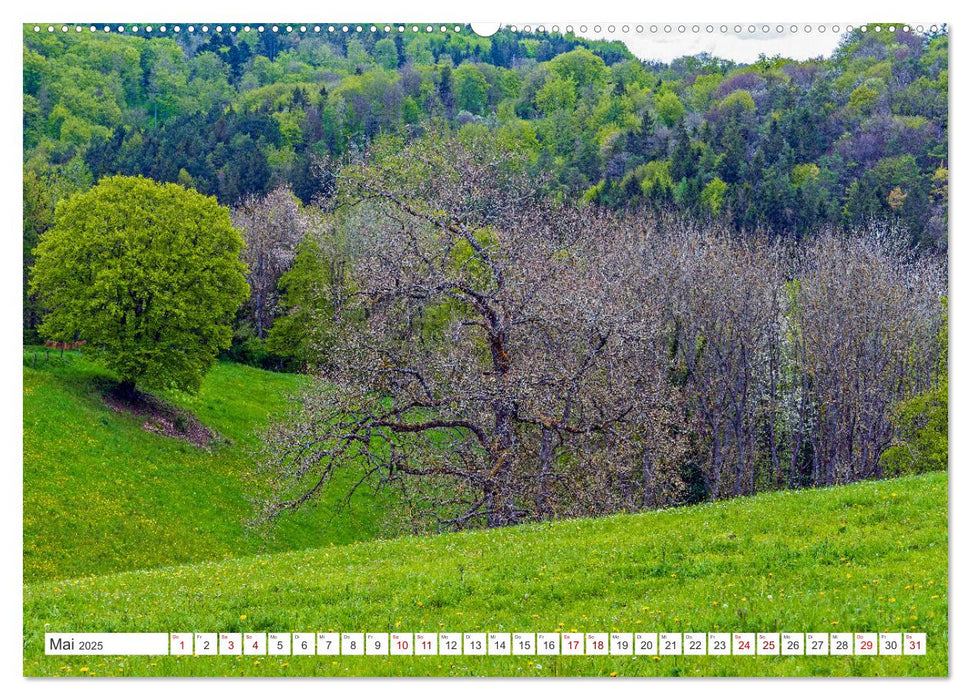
{"points": [[101, 494], [866, 557]]}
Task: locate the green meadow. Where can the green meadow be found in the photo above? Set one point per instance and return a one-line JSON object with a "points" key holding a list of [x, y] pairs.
{"points": [[871, 556], [101, 494]]}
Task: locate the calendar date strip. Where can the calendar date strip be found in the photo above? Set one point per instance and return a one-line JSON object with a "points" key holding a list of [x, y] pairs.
{"points": [[487, 644]]}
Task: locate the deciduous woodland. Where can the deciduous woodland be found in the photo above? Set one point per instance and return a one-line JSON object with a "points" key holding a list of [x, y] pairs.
{"points": [[499, 357], [529, 276]]}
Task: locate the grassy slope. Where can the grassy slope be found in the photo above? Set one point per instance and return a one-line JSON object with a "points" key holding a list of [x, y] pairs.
{"points": [[866, 557], [103, 495]]}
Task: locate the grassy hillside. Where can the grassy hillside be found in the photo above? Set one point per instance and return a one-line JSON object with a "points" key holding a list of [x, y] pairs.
{"points": [[866, 557], [101, 494]]}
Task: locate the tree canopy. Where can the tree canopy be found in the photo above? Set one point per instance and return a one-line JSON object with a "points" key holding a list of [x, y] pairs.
{"points": [[148, 274], [241, 114]]}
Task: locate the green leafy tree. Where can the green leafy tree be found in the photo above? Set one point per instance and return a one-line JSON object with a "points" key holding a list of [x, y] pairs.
{"points": [[386, 54], [865, 98], [149, 275], [471, 89], [669, 108], [304, 332], [581, 66], [713, 195], [737, 104], [556, 94], [410, 111]]}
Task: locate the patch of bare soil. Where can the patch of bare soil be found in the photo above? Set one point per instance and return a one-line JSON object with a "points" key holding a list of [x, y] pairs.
{"points": [[160, 417]]}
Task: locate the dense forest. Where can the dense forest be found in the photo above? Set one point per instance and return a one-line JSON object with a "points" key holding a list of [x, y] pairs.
{"points": [[780, 145]]}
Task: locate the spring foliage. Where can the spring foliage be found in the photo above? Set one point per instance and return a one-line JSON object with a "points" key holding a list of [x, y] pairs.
{"points": [[148, 274]]}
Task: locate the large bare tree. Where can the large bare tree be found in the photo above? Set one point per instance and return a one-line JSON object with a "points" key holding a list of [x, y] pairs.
{"points": [[491, 343]]}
